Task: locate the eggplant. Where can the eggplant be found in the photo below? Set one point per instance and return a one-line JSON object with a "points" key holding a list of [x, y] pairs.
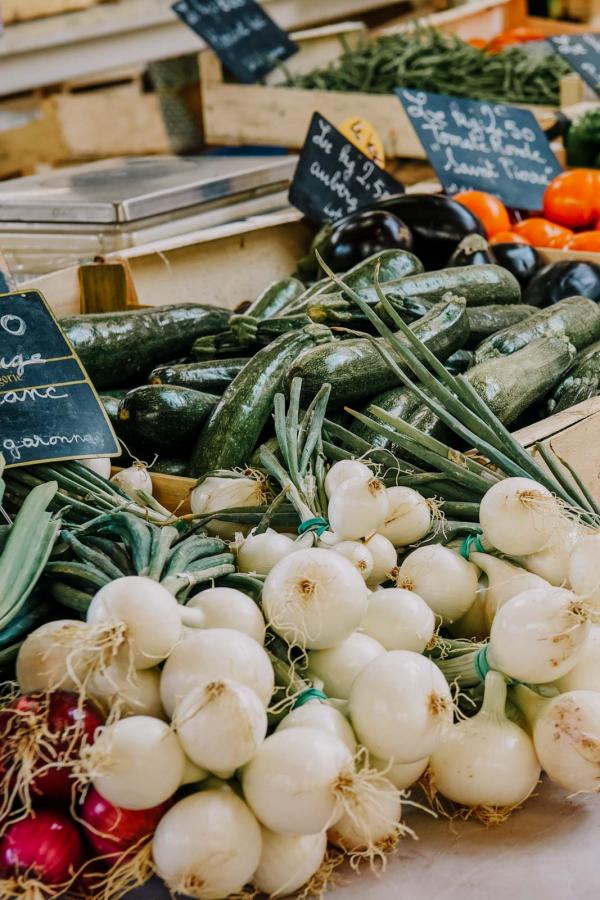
{"points": [[354, 238], [473, 250], [437, 223], [521, 260], [559, 280]]}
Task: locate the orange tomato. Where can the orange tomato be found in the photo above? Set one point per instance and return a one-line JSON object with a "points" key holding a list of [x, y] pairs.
{"points": [[490, 211], [540, 232], [585, 240], [519, 35], [478, 43], [560, 240], [508, 237], [572, 198]]}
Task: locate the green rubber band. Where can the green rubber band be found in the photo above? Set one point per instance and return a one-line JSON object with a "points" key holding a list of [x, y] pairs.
{"points": [[472, 541], [318, 525], [481, 664], [309, 694]]}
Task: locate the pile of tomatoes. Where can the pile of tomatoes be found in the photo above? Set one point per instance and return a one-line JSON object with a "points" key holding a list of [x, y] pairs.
{"points": [[571, 219]]}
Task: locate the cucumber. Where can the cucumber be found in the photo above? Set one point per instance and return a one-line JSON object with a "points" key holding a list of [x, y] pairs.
{"points": [[575, 317], [117, 348], [275, 298], [164, 417], [510, 384], [211, 376], [355, 368], [487, 320], [581, 382], [235, 425]]}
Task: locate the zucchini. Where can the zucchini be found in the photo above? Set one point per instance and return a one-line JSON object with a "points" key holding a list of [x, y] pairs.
{"points": [[399, 401], [111, 405], [581, 382], [355, 368], [459, 362], [166, 465], [126, 345], [211, 376], [164, 417], [510, 384], [221, 345], [275, 298], [577, 318], [235, 425], [487, 320], [393, 265]]}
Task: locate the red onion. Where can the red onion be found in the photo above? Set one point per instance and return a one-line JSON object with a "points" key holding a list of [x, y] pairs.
{"points": [[44, 847], [114, 830]]}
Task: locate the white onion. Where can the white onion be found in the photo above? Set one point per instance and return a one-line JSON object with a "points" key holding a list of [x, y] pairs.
{"points": [[314, 598], [315, 714], [585, 674], [288, 861], [147, 611], [54, 656], [408, 519], [566, 735], [101, 465], [399, 706], [384, 556], [220, 725], [552, 562], [208, 845], [293, 783], [192, 774], [130, 693], [216, 492], [519, 516], [135, 763], [370, 824], [401, 775], [358, 554], [538, 635], [134, 479], [344, 470], [446, 582], [259, 552], [474, 622], [224, 607], [399, 620], [357, 507], [211, 654], [504, 581], [338, 667], [486, 760], [584, 570]]}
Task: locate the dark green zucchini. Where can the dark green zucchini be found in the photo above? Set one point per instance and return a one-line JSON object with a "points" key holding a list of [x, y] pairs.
{"points": [[111, 405], [399, 401], [581, 382], [393, 264], [459, 362], [575, 317], [211, 376], [222, 345], [117, 348], [355, 368], [510, 384], [487, 320], [273, 300], [166, 465], [164, 417], [234, 427]]}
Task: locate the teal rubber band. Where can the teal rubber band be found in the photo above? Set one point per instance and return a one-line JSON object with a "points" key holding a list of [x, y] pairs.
{"points": [[471, 542], [309, 694], [481, 664], [318, 525]]}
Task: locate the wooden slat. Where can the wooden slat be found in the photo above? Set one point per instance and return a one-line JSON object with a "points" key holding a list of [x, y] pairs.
{"points": [[23, 10]]}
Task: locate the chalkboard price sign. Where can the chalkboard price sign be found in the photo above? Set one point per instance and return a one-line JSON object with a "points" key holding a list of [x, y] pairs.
{"points": [[582, 52], [333, 178], [244, 37], [490, 147], [48, 407]]}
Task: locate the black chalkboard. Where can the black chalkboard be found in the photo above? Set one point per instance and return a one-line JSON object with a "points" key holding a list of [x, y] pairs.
{"points": [[333, 178], [48, 407], [244, 37], [483, 146], [582, 52]]}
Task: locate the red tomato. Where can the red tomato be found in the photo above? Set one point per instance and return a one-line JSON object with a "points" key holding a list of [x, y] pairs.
{"points": [[490, 211], [540, 232], [508, 237], [572, 198]]}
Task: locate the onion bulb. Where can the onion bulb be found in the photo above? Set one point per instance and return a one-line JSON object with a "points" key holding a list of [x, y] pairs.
{"points": [[399, 706], [583, 569], [134, 479], [316, 714], [135, 763], [552, 562], [224, 607], [384, 556], [408, 519], [54, 656], [446, 582], [344, 470], [519, 516], [370, 825], [127, 693], [487, 760], [338, 666], [213, 654], [399, 620], [220, 724], [39, 852], [357, 508], [208, 845], [258, 553], [314, 598], [215, 493], [539, 635], [402, 775], [585, 674], [474, 622], [566, 735], [101, 465], [288, 861], [504, 581], [358, 554]]}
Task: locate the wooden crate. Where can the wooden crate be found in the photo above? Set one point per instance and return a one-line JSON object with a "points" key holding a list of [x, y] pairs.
{"points": [[23, 10]]}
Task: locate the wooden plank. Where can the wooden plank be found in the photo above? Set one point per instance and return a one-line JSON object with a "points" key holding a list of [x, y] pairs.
{"points": [[557, 423], [23, 10]]}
